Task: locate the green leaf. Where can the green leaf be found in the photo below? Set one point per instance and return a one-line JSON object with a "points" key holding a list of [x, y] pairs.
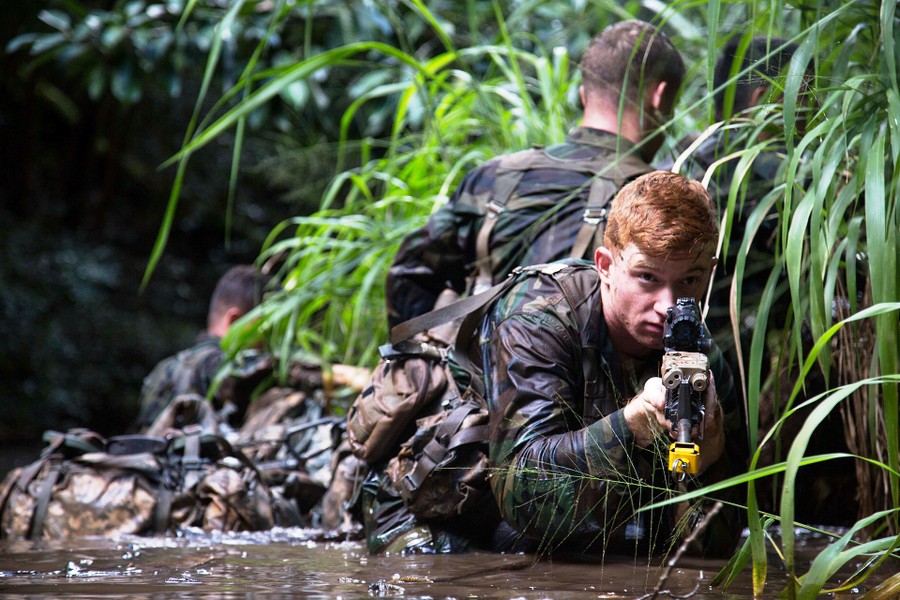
{"points": [[56, 19], [20, 41], [124, 86]]}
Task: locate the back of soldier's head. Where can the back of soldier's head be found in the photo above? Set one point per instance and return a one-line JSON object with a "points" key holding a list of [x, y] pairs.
{"points": [[633, 53], [240, 287], [738, 59], [664, 214]]}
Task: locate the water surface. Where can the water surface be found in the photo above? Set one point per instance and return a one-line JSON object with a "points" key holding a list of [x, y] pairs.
{"points": [[285, 563]]}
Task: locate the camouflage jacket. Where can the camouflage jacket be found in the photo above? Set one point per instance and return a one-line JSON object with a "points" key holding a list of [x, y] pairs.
{"points": [[190, 371], [566, 471], [553, 183]]}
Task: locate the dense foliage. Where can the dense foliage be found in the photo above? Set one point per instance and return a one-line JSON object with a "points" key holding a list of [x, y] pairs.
{"points": [[405, 97]]}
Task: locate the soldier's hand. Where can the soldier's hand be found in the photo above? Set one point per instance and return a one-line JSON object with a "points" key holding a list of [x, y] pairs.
{"points": [[645, 413], [713, 444]]}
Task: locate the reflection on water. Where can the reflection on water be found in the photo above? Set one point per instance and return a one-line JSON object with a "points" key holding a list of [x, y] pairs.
{"points": [[305, 563]]}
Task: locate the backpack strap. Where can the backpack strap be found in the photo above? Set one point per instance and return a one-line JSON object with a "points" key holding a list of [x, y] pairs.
{"points": [[590, 235], [505, 184], [451, 312], [36, 527], [435, 453], [191, 462], [60, 446], [162, 512], [603, 190]]}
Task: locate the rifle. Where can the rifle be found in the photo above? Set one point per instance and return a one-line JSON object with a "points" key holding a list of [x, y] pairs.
{"points": [[685, 375]]}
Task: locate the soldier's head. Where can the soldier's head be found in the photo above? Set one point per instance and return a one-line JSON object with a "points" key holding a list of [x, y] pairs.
{"points": [[659, 246], [237, 292], [755, 64], [631, 74]]}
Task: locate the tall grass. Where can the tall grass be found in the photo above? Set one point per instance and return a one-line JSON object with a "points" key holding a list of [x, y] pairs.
{"points": [[332, 264], [835, 196]]}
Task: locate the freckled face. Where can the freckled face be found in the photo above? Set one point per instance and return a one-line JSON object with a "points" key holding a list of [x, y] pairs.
{"points": [[637, 289]]}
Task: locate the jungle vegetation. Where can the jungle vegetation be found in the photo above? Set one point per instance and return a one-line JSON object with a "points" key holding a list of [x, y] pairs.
{"points": [[396, 100]]}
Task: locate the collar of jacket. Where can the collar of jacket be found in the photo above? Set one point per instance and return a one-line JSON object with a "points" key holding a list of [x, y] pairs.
{"points": [[598, 137]]}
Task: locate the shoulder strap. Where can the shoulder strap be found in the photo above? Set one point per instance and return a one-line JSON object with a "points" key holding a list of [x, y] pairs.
{"points": [[504, 186], [603, 189], [36, 527], [451, 312], [590, 235]]}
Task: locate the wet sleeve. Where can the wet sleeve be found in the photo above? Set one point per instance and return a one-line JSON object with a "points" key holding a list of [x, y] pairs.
{"points": [[551, 471]]}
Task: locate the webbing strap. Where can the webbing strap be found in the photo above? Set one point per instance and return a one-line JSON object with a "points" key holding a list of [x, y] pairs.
{"points": [[469, 435], [504, 186], [36, 528], [190, 460], [163, 509], [590, 235], [434, 453], [445, 314]]}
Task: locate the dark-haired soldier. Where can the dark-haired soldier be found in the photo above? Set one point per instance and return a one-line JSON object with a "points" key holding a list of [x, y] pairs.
{"points": [[192, 370], [540, 205]]}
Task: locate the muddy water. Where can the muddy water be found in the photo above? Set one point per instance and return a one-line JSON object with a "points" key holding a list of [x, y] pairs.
{"points": [[304, 563]]}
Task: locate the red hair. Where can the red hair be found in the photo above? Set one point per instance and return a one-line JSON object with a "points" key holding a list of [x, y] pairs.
{"points": [[663, 214]]}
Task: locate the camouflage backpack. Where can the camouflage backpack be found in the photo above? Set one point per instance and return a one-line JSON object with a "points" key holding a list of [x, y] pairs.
{"points": [[287, 435], [86, 485], [423, 415], [603, 180]]}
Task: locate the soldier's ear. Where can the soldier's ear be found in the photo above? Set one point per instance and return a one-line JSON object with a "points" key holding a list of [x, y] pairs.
{"points": [[233, 314], [662, 100], [603, 260], [756, 95]]}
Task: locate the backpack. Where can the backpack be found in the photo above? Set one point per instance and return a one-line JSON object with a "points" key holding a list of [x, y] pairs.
{"points": [[86, 485], [291, 443], [431, 400], [441, 469], [602, 181], [411, 376]]}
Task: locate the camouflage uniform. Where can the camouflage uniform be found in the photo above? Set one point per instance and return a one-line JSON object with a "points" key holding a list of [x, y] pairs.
{"points": [[190, 371], [442, 254], [567, 473]]}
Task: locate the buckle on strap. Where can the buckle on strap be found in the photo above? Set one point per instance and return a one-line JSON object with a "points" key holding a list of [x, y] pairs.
{"points": [[494, 209], [595, 216]]}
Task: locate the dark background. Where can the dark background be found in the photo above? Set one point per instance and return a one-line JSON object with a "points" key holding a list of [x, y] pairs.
{"points": [[82, 199]]}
